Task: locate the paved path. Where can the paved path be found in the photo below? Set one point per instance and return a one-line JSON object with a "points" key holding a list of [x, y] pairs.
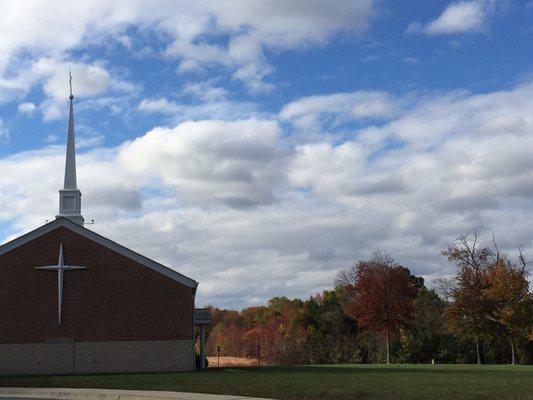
{"points": [[107, 394]]}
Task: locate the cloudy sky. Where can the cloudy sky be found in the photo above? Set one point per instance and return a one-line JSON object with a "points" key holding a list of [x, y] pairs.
{"points": [[259, 146]]}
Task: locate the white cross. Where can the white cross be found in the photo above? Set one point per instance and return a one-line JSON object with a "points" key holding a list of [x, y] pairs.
{"points": [[60, 267]]}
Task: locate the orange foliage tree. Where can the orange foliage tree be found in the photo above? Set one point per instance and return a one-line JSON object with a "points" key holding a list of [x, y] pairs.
{"points": [[276, 328], [381, 296], [508, 292], [467, 315]]}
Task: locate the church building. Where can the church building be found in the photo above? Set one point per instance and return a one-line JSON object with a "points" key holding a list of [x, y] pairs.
{"points": [[75, 302]]}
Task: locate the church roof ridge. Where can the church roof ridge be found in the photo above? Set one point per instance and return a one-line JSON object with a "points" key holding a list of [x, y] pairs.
{"points": [[102, 240]]}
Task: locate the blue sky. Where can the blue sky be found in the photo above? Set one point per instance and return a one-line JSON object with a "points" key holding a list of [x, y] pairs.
{"points": [[239, 139]]}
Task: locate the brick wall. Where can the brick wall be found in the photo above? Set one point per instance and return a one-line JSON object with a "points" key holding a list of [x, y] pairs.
{"points": [[114, 299]]}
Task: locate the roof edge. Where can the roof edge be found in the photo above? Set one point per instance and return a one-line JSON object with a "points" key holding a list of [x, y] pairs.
{"points": [[108, 243]]}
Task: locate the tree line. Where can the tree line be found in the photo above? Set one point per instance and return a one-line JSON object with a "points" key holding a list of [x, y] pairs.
{"points": [[380, 312]]}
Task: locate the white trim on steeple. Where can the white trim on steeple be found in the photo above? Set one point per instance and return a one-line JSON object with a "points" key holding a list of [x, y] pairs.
{"points": [[70, 196]]}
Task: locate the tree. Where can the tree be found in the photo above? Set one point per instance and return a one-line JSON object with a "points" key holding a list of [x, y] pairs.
{"points": [[381, 297], [331, 333], [444, 288], [226, 331], [425, 335], [347, 276], [508, 290], [469, 313]]}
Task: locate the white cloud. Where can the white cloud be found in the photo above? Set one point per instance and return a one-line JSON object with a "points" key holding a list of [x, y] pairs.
{"points": [[205, 91], [314, 112], [232, 204], [458, 17], [256, 25], [52, 138], [26, 108], [410, 60], [236, 163], [89, 80], [248, 26], [213, 108]]}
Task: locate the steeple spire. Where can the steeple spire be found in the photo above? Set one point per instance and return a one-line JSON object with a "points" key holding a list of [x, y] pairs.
{"points": [[70, 165], [70, 196]]}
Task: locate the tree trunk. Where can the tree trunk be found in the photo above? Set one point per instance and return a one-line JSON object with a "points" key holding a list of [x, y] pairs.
{"points": [[477, 351], [388, 345], [513, 361], [374, 348]]}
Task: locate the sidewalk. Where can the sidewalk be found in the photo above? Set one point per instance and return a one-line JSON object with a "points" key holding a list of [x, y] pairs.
{"points": [[109, 394]]}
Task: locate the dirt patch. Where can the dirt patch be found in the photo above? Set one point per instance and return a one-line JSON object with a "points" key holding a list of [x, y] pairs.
{"points": [[233, 362]]}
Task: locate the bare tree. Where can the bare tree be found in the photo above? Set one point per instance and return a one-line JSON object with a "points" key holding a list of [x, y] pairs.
{"points": [[444, 288], [347, 276]]}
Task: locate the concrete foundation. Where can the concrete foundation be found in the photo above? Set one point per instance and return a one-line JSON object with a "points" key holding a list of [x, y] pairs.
{"points": [[96, 357]]}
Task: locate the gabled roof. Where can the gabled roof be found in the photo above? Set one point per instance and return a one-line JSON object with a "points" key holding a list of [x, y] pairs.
{"points": [[87, 233]]}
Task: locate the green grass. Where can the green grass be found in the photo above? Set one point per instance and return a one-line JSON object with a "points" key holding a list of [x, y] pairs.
{"points": [[321, 382]]}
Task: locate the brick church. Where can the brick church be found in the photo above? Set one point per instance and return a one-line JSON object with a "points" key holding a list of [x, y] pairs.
{"points": [[74, 302]]}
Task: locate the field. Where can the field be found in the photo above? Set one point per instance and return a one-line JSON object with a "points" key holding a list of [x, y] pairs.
{"points": [[321, 382]]}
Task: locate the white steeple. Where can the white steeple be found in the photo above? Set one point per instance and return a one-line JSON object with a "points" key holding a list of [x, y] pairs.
{"points": [[70, 196]]}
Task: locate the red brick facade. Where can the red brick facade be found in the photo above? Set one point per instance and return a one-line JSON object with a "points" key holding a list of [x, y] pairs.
{"points": [[114, 299]]}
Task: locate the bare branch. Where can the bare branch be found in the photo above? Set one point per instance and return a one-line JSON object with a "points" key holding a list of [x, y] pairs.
{"points": [[444, 288], [495, 244], [522, 258], [347, 276]]}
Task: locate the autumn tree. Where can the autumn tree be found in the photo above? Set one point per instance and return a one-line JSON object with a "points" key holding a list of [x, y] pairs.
{"points": [[469, 312], [508, 291], [226, 332], [283, 341], [381, 296]]}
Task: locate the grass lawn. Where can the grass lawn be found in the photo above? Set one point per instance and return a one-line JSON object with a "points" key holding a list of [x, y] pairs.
{"points": [[321, 382]]}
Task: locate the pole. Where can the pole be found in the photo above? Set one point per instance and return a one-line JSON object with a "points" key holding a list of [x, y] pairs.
{"points": [[258, 355], [388, 351], [202, 346], [218, 355], [478, 354]]}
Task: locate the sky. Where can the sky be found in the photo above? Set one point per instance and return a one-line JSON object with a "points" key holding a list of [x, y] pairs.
{"points": [[260, 146]]}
